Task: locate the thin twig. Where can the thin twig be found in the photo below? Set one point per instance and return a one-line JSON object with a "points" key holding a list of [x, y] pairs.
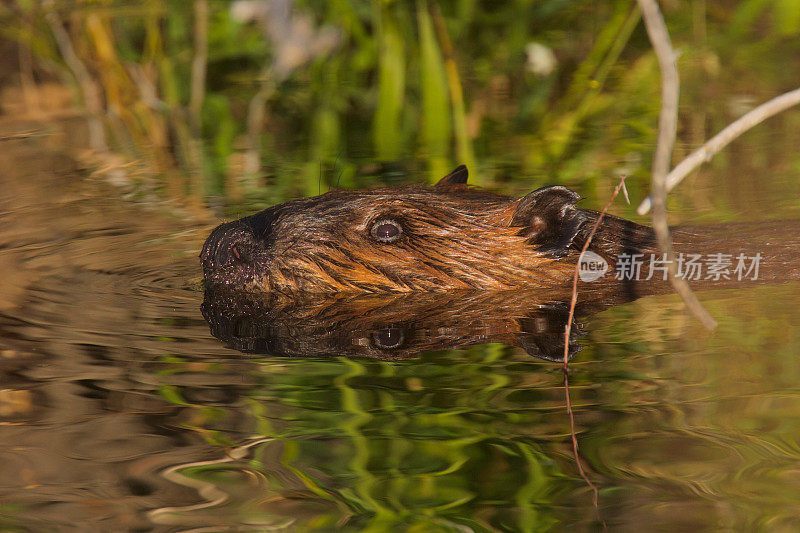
{"points": [[28, 83], [667, 130], [568, 331], [21, 135], [91, 96], [463, 143], [723, 138], [199, 64], [256, 110]]}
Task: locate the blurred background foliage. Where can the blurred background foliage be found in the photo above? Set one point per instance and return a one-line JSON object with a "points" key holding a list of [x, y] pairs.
{"points": [[241, 104], [235, 105]]}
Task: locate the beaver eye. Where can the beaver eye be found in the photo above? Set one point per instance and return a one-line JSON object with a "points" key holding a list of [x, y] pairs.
{"points": [[388, 338], [386, 230]]}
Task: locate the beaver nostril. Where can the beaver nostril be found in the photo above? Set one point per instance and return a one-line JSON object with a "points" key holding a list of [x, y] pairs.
{"points": [[241, 252], [231, 252]]}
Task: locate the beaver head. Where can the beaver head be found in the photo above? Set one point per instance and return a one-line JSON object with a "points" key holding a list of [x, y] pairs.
{"points": [[403, 239]]}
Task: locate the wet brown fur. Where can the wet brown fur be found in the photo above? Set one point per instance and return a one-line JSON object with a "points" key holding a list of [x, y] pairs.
{"points": [[454, 237]]}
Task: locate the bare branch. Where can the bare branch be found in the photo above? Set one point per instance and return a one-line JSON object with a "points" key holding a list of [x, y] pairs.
{"points": [[27, 82], [667, 129], [21, 135], [256, 110], [91, 97], [723, 138], [568, 331], [199, 62], [573, 302]]}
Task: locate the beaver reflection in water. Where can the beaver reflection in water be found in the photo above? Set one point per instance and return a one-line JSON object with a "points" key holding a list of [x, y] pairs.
{"points": [[415, 238]]}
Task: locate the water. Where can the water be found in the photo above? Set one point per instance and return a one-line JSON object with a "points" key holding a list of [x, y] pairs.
{"points": [[121, 412]]}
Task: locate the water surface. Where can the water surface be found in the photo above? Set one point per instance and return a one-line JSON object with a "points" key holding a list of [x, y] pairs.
{"points": [[121, 412]]}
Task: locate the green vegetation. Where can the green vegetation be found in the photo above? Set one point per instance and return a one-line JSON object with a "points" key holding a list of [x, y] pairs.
{"points": [[525, 92]]}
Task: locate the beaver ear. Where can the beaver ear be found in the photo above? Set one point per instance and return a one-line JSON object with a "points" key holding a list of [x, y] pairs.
{"points": [[457, 177], [550, 219]]}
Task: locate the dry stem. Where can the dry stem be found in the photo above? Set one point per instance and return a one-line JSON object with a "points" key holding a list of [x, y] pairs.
{"points": [[568, 330], [199, 63], [723, 138], [667, 129], [91, 97]]}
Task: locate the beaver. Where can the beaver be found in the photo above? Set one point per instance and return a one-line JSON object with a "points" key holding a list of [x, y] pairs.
{"points": [[449, 236], [395, 326]]}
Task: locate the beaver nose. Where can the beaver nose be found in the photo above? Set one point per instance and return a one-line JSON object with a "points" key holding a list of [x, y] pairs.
{"points": [[228, 243], [231, 251]]}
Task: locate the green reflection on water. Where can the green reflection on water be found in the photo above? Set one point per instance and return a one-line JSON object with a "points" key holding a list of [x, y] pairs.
{"points": [[677, 427]]}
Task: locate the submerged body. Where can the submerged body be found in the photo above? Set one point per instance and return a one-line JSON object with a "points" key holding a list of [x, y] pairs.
{"points": [[405, 239]]}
